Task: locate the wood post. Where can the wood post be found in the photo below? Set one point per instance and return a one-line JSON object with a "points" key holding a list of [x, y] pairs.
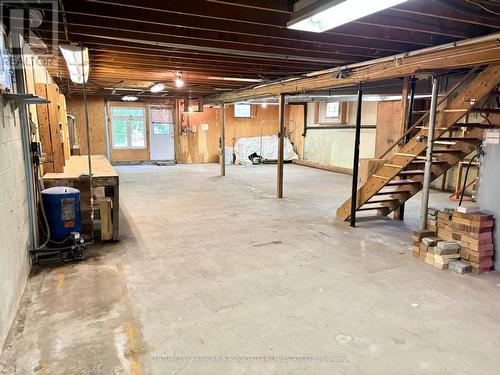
{"points": [[281, 145], [222, 140], [355, 166], [406, 122]]}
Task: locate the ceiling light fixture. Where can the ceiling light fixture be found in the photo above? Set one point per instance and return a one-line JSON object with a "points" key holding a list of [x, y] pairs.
{"points": [[157, 87], [77, 60], [129, 98], [336, 13], [178, 80]]}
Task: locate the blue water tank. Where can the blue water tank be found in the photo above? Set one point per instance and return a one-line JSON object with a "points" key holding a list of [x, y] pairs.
{"points": [[62, 207]]}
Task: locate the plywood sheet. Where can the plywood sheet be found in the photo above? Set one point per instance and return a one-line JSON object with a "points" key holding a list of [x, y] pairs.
{"points": [[97, 124], [388, 126]]}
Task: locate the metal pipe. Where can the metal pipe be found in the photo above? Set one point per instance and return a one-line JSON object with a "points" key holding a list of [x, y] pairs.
{"points": [[26, 141], [89, 156], [355, 166], [106, 126], [281, 146], [428, 159], [222, 140]]}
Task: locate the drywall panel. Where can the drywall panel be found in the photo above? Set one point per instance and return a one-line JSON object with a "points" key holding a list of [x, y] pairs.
{"points": [[335, 147]]}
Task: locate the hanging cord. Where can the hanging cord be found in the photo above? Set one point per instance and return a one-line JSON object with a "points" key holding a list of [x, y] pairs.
{"points": [[465, 180], [42, 209]]}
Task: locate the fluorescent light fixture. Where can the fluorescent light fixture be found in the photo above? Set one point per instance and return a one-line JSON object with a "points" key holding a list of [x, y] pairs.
{"points": [[236, 79], [157, 87], [77, 62], [336, 13], [129, 98]]}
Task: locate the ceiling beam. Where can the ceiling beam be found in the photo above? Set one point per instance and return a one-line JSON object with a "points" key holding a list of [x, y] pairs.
{"points": [[471, 52]]}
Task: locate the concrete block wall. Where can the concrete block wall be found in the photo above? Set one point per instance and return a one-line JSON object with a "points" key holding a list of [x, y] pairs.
{"points": [[14, 220]]}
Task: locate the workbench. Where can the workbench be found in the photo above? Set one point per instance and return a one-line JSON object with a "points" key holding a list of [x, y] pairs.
{"points": [[104, 175]]}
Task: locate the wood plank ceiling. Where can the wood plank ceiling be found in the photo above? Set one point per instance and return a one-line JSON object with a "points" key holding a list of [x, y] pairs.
{"points": [[133, 45]]}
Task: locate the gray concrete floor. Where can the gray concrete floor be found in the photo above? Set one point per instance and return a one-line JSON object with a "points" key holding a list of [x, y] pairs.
{"points": [[216, 276]]}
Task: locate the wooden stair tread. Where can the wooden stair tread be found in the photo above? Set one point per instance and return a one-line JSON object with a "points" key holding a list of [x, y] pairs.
{"points": [[421, 162], [389, 200], [446, 151], [464, 139], [410, 172], [392, 192], [407, 163], [402, 182], [372, 208]]}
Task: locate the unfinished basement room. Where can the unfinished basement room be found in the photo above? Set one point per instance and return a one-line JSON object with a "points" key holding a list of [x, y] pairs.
{"points": [[240, 187]]}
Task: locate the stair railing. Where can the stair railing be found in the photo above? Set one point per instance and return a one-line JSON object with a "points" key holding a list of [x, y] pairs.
{"points": [[441, 101]]}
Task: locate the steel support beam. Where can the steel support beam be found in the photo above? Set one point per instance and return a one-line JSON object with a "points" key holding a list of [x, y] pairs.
{"points": [[355, 166], [428, 159], [281, 146]]}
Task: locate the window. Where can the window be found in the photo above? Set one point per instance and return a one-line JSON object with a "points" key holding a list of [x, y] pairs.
{"points": [[242, 111], [161, 129], [332, 110], [128, 124]]}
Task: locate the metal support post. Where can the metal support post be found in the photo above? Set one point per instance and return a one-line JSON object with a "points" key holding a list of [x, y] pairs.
{"points": [[355, 166], [428, 158]]}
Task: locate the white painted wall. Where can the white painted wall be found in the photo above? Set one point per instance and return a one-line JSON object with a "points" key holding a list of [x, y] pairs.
{"points": [[14, 224], [335, 147]]}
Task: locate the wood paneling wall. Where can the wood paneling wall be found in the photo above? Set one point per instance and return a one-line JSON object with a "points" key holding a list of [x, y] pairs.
{"points": [[202, 146], [97, 124], [388, 126], [195, 146]]}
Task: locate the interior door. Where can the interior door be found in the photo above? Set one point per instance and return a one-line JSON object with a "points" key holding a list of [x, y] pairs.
{"points": [[161, 133]]}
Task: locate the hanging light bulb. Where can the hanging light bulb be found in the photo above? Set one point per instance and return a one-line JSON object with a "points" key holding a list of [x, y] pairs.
{"points": [[157, 87], [178, 80]]}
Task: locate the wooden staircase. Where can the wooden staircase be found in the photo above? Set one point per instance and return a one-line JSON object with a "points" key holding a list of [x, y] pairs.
{"points": [[402, 175]]}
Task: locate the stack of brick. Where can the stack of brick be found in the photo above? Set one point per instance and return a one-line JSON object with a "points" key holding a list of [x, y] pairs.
{"points": [[420, 248], [466, 239], [432, 218], [474, 233], [444, 253]]}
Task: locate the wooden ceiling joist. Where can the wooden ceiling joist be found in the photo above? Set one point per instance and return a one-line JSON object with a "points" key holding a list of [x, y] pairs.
{"points": [[484, 50], [242, 38]]}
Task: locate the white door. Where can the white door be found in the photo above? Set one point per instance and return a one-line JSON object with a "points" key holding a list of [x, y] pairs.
{"points": [[161, 133]]}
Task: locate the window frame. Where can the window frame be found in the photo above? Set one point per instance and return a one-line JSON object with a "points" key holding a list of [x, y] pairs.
{"points": [[243, 104], [129, 145]]}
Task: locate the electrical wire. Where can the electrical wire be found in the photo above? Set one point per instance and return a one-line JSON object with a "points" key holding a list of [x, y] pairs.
{"points": [[42, 209], [465, 180], [483, 7]]}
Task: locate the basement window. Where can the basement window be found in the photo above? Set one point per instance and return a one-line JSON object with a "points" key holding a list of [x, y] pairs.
{"points": [[128, 125], [242, 110], [332, 110]]}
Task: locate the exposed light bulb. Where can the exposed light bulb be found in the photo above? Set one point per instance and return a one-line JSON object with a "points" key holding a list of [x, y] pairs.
{"points": [[157, 87], [264, 105], [179, 82]]}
